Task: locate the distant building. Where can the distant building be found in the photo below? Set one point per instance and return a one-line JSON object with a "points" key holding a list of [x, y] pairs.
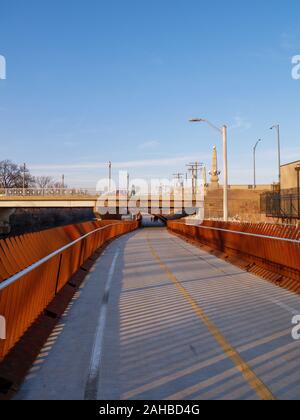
{"points": [[289, 177], [284, 204]]}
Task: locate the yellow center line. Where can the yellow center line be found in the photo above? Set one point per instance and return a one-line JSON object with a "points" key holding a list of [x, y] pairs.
{"points": [[255, 383]]}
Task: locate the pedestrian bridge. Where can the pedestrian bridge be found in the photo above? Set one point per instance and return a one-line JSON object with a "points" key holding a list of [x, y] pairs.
{"points": [[159, 317]]}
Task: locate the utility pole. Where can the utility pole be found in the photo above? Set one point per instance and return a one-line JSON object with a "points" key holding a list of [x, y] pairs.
{"points": [[24, 178], [191, 169], [128, 192], [179, 178], [203, 175], [194, 168], [128, 182], [109, 176], [63, 181]]}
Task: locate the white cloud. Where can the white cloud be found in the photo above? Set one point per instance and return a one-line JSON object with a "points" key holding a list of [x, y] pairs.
{"points": [[240, 123], [172, 161], [149, 145]]}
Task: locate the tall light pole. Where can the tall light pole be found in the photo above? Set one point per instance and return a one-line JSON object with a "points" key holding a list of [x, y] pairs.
{"points": [[223, 132], [109, 176], [277, 128], [254, 162]]}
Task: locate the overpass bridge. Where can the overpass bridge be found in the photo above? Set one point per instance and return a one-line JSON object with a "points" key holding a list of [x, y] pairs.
{"points": [[64, 201], [159, 317], [120, 203]]}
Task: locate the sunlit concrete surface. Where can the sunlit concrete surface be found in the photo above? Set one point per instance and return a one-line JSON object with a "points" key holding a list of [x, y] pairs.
{"points": [[180, 324]]}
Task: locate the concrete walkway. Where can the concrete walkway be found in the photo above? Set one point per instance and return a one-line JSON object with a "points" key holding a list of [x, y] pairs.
{"points": [[158, 318]]}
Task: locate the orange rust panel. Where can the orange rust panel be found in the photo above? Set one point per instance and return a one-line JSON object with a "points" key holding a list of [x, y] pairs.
{"points": [[23, 301]]}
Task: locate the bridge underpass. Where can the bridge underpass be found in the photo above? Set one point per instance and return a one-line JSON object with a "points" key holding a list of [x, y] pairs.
{"points": [[158, 318], [69, 209], [149, 220]]}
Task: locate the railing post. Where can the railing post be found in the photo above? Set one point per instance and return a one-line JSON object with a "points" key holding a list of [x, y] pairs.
{"points": [[82, 251], [58, 273]]}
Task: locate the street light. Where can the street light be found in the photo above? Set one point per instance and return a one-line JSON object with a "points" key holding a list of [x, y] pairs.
{"points": [[254, 161], [223, 132], [277, 128]]}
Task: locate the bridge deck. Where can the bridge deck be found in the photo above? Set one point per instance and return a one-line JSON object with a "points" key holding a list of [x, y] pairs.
{"points": [[177, 323]]}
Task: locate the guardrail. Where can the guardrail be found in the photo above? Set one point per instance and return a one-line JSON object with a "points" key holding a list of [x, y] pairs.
{"points": [[35, 267], [47, 192], [275, 248]]}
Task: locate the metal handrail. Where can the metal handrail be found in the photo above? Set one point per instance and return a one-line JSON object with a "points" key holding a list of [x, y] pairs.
{"points": [[256, 235], [49, 257], [47, 192]]}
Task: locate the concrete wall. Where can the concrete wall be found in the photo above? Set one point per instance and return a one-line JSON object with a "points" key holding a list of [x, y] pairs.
{"points": [[244, 205]]}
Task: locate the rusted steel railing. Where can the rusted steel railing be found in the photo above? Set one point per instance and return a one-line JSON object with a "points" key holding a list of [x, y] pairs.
{"points": [[35, 267], [273, 247]]}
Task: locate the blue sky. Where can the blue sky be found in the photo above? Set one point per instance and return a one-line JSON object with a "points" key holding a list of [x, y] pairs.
{"points": [[92, 81]]}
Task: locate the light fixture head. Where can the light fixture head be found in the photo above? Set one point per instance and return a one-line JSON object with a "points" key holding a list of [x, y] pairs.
{"points": [[196, 120]]}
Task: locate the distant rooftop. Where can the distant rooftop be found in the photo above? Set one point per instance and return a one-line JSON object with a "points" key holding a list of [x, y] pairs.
{"points": [[291, 163]]}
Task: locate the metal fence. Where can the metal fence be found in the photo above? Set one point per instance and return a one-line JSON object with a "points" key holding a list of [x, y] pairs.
{"points": [[35, 267], [283, 206]]}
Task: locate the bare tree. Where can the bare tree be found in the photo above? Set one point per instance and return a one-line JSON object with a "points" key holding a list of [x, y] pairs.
{"points": [[14, 176], [44, 182], [58, 185]]}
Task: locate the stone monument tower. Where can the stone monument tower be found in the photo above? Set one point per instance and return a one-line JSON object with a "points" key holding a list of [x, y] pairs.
{"points": [[214, 174]]}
